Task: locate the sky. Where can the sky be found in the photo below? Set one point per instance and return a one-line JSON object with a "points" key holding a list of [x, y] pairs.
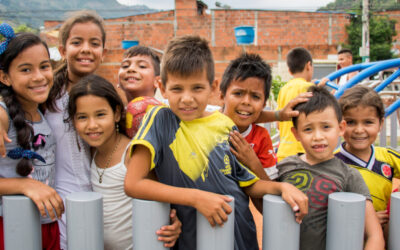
{"points": [[302, 5]]}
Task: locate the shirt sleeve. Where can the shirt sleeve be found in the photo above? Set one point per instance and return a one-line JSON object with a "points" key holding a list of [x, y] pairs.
{"points": [[151, 132], [395, 162], [355, 183], [266, 154], [244, 176]]}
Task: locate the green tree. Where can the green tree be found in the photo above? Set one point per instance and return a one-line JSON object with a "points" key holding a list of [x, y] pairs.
{"points": [[24, 28], [381, 37]]}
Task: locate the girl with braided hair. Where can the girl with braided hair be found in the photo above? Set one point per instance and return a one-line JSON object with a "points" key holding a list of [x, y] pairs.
{"points": [[25, 81]]}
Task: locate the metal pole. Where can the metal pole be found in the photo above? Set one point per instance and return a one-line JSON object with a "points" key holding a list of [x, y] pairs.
{"points": [[216, 238], [84, 211], [393, 130], [22, 229], [147, 218], [382, 135], [365, 31], [394, 230], [346, 215], [280, 230]]}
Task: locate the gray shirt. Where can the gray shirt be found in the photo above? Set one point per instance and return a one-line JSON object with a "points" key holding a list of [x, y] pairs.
{"points": [[43, 172], [317, 182]]}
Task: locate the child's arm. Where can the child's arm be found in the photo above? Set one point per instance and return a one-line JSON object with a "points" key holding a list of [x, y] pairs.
{"points": [[246, 155], [213, 206], [373, 231], [169, 234], [296, 199], [284, 114], [3, 131], [42, 195]]}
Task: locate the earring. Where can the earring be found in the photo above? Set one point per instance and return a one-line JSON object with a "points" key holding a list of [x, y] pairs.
{"points": [[117, 127]]}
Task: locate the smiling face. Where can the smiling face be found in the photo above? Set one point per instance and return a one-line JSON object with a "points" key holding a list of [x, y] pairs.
{"points": [[363, 126], [345, 60], [244, 101], [188, 96], [30, 75], [318, 132], [137, 77], [95, 120], [83, 50]]}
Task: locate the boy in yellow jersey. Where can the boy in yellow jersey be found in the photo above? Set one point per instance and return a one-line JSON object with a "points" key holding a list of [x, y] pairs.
{"points": [[299, 61], [189, 150]]}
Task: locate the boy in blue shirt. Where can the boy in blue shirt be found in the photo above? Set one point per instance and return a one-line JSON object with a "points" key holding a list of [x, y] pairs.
{"points": [[188, 148]]}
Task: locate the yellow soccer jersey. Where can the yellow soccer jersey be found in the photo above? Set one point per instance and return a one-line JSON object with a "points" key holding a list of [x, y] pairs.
{"points": [[377, 173]]}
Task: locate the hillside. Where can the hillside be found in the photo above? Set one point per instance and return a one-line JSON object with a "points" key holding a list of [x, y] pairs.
{"points": [[353, 5], [34, 12]]}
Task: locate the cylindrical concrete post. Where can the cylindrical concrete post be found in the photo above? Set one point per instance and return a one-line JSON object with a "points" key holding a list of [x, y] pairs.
{"points": [[394, 222], [280, 229], [84, 211], [346, 216], [147, 218], [217, 237], [22, 229]]}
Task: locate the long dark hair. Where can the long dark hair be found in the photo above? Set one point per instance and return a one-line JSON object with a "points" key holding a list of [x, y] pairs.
{"points": [[61, 72], [97, 86], [24, 130]]}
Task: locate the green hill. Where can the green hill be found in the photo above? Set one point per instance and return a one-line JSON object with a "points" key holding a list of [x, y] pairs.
{"points": [[354, 5], [34, 12]]}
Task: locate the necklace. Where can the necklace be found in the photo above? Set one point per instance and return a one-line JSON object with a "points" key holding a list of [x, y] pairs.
{"points": [[108, 161]]}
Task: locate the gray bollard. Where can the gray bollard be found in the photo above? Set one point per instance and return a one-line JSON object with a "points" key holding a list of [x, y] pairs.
{"points": [[84, 211], [147, 218], [217, 237], [394, 230], [345, 224], [280, 229], [22, 229]]}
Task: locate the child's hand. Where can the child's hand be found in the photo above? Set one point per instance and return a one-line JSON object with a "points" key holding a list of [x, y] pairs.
{"points": [[242, 149], [383, 217], [213, 206], [44, 197], [169, 234], [297, 200], [287, 112]]}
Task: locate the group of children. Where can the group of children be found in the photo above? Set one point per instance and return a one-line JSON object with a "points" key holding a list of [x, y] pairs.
{"points": [[67, 135]]}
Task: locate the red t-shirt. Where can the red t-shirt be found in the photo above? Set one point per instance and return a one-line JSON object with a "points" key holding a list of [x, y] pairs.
{"points": [[258, 137]]}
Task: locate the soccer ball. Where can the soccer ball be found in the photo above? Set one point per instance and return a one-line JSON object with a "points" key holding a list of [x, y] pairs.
{"points": [[135, 112]]}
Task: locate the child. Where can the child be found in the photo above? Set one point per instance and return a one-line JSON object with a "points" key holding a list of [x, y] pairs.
{"points": [[318, 173], [245, 88], [96, 111], [189, 150], [139, 73], [364, 112], [82, 38], [299, 61], [26, 79]]}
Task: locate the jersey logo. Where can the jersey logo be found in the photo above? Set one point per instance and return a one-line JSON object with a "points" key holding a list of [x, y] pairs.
{"points": [[228, 169], [301, 179], [386, 170]]}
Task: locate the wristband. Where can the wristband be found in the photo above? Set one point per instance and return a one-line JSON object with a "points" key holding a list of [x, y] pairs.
{"points": [[276, 114]]}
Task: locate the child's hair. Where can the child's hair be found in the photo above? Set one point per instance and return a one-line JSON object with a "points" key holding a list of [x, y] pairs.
{"points": [[145, 51], [25, 133], [245, 66], [185, 56], [61, 73], [321, 99], [345, 51], [97, 86], [362, 96], [297, 59]]}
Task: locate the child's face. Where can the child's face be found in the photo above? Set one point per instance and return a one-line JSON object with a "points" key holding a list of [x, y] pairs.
{"points": [[363, 126], [83, 50], [188, 96], [244, 101], [319, 132], [136, 76], [30, 75], [95, 120]]}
